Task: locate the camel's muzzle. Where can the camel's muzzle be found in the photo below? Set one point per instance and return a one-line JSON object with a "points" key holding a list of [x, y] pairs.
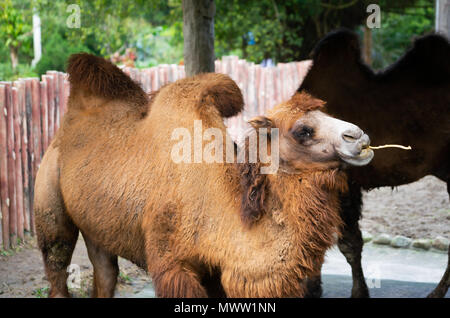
{"points": [[354, 149]]}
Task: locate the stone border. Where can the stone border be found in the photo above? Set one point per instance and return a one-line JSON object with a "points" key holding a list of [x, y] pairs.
{"points": [[440, 244]]}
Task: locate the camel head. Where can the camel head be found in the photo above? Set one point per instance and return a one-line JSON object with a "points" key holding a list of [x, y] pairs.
{"points": [[311, 139]]}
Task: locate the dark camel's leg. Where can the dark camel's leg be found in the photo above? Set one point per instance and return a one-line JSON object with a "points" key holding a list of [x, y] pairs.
{"points": [[351, 242], [106, 270], [178, 281], [57, 237], [314, 286], [444, 284]]}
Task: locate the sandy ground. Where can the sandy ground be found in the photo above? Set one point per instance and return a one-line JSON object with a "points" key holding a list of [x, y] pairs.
{"points": [[420, 209], [416, 210], [22, 274]]}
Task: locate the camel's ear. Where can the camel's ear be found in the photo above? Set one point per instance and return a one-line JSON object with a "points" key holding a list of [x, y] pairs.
{"points": [[254, 186], [260, 122]]}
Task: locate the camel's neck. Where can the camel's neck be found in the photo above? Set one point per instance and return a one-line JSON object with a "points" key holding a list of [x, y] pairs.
{"points": [[309, 205]]}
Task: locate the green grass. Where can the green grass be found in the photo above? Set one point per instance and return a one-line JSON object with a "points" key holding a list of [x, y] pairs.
{"points": [[6, 253], [41, 292], [124, 277]]}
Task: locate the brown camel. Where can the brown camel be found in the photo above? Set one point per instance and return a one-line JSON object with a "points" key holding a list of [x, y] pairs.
{"points": [[408, 103], [199, 229]]}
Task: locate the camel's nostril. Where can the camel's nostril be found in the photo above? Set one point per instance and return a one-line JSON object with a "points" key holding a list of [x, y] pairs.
{"points": [[349, 138], [352, 135]]}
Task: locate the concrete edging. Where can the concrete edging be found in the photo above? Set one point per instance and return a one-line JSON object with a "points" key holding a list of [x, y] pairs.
{"points": [[439, 244]]}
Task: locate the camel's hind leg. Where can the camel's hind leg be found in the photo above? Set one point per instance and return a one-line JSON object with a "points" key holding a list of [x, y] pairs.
{"points": [[56, 233], [106, 270], [57, 243]]}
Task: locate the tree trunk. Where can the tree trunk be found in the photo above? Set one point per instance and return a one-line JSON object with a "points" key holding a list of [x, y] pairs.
{"points": [[36, 39], [367, 45], [14, 53], [443, 17], [198, 31]]}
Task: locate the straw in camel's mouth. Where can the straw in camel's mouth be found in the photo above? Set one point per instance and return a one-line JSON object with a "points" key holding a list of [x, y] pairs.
{"points": [[392, 146]]}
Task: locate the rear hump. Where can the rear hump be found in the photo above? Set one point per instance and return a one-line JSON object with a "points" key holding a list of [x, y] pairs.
{"points": [[222, 92]]}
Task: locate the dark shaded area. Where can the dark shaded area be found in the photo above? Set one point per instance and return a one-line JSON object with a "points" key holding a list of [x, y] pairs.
{"points": [[337, 286]]}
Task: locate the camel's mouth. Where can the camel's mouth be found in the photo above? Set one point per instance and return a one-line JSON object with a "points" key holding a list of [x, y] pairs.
{"points": [[363, 158]]}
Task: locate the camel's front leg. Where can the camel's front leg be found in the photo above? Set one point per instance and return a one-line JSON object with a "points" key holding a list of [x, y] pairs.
{"points": [[444, 284], [178, 281], [351, 242], [106, 270], [314, 287], [271, 285]]}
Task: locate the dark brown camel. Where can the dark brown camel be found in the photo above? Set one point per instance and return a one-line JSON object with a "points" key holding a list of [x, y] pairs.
{"points": [[408, 103]]}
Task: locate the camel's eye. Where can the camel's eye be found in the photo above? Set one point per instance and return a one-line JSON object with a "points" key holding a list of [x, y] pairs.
{"points": [[303, 133]]}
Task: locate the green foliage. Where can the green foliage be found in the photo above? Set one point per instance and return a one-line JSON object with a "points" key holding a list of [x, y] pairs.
{"points": [[288, 30], [398, 29], [41, 292], [124, 277], [252, 31], [282, 30], [55, 53], [111, 23], [14, 29], [155, 45], [23, 70], [6, 253]]}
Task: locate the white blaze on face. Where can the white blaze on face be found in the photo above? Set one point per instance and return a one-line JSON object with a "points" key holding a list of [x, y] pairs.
{"points": [[333, 128], [335, 136]]}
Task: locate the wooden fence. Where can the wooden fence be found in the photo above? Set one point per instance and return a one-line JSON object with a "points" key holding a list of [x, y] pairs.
{"points": [[33, 109]]}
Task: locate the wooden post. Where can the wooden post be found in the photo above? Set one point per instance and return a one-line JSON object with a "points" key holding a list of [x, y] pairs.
{"points": [[155, 79], [44, 117], [66, 94], [55, 98], [257, 81], [51, 107], [36, 123], [270, 88], [61, 97], [30, 153], [4, 193], [36, 137], [18, 214], [21, 86], [11, 165]]}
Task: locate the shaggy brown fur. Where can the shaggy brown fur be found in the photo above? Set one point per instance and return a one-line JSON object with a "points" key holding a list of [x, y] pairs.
{"points": [[254, 192], [255, 184], [408, 104], [109, 174]]}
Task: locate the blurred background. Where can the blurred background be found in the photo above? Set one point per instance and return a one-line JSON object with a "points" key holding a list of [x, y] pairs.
{"points": [[145, 33]]}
